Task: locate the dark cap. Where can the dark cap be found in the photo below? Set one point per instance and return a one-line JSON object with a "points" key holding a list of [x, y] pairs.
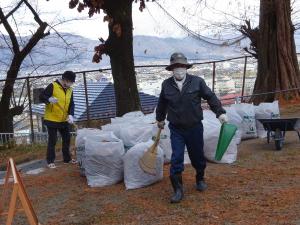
{"points": [[69, 75]]}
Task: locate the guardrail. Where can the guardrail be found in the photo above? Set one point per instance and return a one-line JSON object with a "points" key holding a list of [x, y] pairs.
{"points": [[30, 81], [12, 139], [8, 140]]}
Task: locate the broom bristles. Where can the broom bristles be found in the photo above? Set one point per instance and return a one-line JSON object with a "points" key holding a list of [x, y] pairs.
{"points": [[148, 162]]}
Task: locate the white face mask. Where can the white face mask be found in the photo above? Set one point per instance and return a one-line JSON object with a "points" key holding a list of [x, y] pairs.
{"points": [[179, 73], [67, 84]]}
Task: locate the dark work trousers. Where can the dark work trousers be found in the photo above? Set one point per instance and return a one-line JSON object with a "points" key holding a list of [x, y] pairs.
{"points": [[52, 138], [192, 138]]}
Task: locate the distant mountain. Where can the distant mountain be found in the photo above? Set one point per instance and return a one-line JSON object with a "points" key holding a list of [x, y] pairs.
{"points": [[153, 48], [147, 50]]}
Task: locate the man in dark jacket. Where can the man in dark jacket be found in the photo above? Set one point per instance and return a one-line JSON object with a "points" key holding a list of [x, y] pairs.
{"points": [[59, 112], [180, 101]]}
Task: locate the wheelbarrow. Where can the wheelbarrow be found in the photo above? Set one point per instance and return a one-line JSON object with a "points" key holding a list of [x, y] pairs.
{"points": [[276, 129]]}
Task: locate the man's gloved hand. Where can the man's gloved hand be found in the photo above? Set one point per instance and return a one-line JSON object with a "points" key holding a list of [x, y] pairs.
{"points": [[223, 118], [70, 119], [161, 124], [53, 100]]}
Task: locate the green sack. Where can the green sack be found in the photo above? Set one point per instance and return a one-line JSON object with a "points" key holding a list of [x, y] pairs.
{"points": [[226, 134]]}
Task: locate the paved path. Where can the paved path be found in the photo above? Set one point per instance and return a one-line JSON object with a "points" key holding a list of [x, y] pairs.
{"points": [[27, 167]]}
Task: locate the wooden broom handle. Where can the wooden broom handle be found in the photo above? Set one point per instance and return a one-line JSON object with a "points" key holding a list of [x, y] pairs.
{"points": [[157, 137]]}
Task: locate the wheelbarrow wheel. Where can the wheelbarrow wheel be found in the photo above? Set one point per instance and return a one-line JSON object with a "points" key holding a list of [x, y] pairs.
{"points": [[278, 139]]}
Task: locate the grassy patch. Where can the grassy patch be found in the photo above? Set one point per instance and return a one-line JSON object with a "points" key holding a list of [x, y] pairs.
{"points": [[25, 153], [22, 153]]}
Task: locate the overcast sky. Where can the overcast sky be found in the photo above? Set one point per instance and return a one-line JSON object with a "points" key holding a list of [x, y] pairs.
{"points": [[203, 19]]}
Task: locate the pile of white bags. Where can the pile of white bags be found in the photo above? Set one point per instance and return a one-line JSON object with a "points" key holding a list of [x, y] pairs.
{"points": [[134, 176], [80, 146], [236, 119], [211, 133], [165, 144], [103, 159], [114, 127], [132, 128], [265, 111], [101, 153], [135, 114], [135, 133], [248, 125], [118, 123]]}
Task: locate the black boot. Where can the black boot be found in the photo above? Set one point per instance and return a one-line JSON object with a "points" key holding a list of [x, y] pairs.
{"points": [[176, 181], [200, 184]]}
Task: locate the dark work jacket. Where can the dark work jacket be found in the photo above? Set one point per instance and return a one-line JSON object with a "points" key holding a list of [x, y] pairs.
{"points": [[45, 95], [183, 109]]}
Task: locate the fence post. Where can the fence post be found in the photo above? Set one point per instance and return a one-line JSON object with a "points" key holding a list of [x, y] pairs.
{"points": [[214, 76], [244, 79], [86, 99], [30, 110]]}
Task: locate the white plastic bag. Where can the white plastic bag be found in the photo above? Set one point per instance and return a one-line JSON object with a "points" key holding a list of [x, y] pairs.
{"points": [[103, 161], [248, 125], [149, 118], [120, 120], [82, 133], [134, 176], [132, 134], [265, 111], [114, 127], [128, 117], [236, 119], [212, 126], [133, 114], [80, 146], [127, 120]]}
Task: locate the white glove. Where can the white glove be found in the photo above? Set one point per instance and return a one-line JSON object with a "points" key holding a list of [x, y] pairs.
{"points": [[53, 100], [70, 119], [223, 118]]}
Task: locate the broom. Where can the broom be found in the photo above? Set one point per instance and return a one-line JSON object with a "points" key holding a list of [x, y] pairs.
{"points": [[148, 161]]}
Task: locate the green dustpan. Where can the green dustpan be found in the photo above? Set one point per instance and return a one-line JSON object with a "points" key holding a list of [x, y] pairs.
{"points": [[226, 134]]}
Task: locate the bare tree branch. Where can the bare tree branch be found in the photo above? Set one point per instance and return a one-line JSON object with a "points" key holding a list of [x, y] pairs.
{"points": [[253, 35], [60, 36], [36, 16], [70, 20], [25, 99], [16, 24], [10, 32], [22, 92], [13, 10], [13, 99], [4, 38], [39, 34], [17, 110]]}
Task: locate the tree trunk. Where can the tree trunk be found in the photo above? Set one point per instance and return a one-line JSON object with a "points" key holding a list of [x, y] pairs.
{"points": [[7, 114], [6, 123], [278, 67], [120, 50]]}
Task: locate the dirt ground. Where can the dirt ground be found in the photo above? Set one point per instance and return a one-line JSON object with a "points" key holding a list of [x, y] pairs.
{"points": [[262, 187]]}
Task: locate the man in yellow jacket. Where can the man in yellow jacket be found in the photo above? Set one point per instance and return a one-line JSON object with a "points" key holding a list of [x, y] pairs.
{"points": [[59, 112]]}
